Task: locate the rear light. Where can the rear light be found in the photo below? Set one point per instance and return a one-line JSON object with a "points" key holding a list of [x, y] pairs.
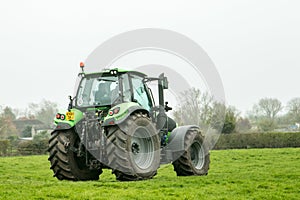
{"points": [[57, 116], [116, 110], [62, 117]]}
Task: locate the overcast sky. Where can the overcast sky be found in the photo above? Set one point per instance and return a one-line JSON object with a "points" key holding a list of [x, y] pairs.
{"points": [[255, 45]]}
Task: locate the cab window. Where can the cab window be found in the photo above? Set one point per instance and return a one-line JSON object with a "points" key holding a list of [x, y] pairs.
{"points": [[139, 92]]}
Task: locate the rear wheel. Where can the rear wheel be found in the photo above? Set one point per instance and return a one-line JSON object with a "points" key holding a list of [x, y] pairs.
{"points": [[133, 149], [65, 163], [195, 159]]}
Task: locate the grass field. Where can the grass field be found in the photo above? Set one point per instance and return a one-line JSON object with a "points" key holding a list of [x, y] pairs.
{"points": [[234, 174]]}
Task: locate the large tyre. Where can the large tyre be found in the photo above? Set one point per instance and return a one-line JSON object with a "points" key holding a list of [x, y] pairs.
{"points": [[195, 159], [133, 149], [64, 161]]}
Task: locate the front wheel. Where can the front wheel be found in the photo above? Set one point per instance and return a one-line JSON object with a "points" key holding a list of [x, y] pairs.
{"points": [[195, 158], [133, 149]]}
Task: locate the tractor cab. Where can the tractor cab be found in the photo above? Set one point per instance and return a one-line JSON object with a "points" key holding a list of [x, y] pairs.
{"points": [[113, 87]]}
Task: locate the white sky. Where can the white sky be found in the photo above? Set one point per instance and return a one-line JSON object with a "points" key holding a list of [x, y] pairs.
{"points": [[255, 44]]}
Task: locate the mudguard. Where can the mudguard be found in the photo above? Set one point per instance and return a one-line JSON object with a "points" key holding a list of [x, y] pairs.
{"points": [[118, 114], [176, 140], [63, 123]]}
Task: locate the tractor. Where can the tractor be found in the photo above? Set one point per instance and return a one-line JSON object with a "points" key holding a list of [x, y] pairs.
{"points": [[113, 122]]}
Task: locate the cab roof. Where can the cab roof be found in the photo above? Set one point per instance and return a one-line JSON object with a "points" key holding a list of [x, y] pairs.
{"points": [[116, 71]]}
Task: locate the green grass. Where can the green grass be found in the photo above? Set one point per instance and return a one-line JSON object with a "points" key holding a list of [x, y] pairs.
{"points": [[234, 174]]}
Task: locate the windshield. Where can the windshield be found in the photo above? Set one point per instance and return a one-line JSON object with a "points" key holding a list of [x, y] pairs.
{"points": [[97, 91]]}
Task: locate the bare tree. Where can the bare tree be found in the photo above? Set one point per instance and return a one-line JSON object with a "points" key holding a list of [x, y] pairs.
{"points": [[7, 128], [270, 107], [44, 111], [218, 116], [265, 113], [206, 108], [224, 118], [243, 125], [201, 109], [195, 108], [293, 107]]}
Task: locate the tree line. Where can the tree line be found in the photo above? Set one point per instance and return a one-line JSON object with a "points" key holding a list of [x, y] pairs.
{"points": [[195, 107], [200, 108]]}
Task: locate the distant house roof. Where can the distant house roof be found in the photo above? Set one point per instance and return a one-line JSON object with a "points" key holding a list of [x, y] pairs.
{"points": [[23, 123]]}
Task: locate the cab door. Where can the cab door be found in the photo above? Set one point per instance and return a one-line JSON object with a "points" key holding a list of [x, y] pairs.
{"points": [[140, 92]]}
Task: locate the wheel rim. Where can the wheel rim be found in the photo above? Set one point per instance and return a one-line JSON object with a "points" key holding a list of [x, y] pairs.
{"points": [[142, 148], [197, 155]]}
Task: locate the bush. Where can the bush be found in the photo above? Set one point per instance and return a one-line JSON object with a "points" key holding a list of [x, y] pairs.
{"points": [[258, 140], [33, 147], [26, 147], [4, 145], [37, 146]]}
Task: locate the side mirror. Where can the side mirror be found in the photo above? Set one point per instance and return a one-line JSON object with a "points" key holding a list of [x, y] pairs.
{"points": [[70, 103], [165, 83]]}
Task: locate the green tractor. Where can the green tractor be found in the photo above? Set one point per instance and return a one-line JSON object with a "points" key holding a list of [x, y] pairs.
{"points": [[113, 122]]}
